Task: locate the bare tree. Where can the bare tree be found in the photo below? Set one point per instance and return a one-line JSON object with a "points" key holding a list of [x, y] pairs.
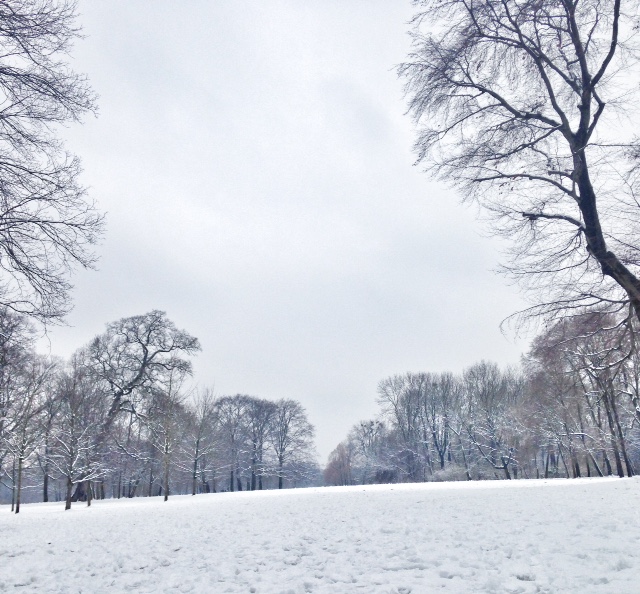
{"points": [[231, 420], [50, 408], [259, 414], [516, 106], [166, 418], [47, 226], [75, 453], [339, 469], [292, 436], [25, 431], [591, 405], [134, 353], [200, 439], [491, 421], [401, 398], [366, 453], [16, 346]]}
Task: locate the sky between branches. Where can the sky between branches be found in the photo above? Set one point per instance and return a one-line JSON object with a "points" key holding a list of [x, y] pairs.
{"points": [[254, 159]]}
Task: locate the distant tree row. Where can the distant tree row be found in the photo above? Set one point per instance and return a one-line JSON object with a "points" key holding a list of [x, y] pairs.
{"points": [[572, 410], [116, 420]]}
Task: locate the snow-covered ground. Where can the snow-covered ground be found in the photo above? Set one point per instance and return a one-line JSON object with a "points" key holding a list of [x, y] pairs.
{"points": [[577, 536]]}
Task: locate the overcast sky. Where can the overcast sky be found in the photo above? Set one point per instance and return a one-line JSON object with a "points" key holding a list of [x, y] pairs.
{"points": [[254, 159]]}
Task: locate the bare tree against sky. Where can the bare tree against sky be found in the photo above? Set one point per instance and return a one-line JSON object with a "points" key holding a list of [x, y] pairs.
{"points": [[199, 439], [47, 225], [292, 435], [516, 104], [133, 353], [260, 414]]}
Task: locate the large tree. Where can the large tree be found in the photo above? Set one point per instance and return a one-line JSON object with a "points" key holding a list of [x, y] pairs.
{"points": [[527, 107], [133, 354], [47, 225], [292, 438]]}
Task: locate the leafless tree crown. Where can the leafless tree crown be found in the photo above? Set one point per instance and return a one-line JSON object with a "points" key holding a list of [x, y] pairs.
{"points": [[527, 107], [47, 225]]}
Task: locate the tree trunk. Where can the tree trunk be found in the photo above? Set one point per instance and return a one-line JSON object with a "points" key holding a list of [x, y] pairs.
{"points": [[67, 504], [195, 468], [595, 464], [610, 264], [166, 477], [546, 464], [612, 431], [253, 474], [194, 482], [13, 485], [19, 485], [505, 466], [606, 462], [464, 459], [45, 486], [561, 455], [45, 470], [150, 491], [621, 438]]}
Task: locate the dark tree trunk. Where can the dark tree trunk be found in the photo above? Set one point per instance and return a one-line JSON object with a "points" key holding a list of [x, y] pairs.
{"points": [[564, 463], [195, 468], [69, 494], [612, 430], [621, 438], [13, 485], [546, 464], [253, 474], [166, 478], [150, 492], [505, 466], [45, 486], [45, 471], [19, 486], [194, 483], [607, 463]]}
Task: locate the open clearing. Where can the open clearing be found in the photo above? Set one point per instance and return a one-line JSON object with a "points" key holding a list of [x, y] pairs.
{"points": [[555, 536]]}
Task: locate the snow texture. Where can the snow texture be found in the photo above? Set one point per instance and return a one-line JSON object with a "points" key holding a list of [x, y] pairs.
{"points": [[555, 536]]}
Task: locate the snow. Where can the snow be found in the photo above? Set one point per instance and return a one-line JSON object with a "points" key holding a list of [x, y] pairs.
{"points": [[498, 537]]}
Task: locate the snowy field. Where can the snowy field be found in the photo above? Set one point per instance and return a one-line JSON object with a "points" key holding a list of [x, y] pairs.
{"points": [[557, 536]]}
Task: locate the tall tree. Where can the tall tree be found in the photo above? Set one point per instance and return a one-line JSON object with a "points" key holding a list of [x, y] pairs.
{"points": [[134, 353], [47, 225], [75, 454], [200, 438], [29, 401], [516, 106], [16, 354], [166, 420], [230, 414], [259, 414], [292, 436]]}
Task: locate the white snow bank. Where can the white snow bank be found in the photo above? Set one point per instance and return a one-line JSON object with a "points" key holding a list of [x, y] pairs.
{"points": [[559, 536]]}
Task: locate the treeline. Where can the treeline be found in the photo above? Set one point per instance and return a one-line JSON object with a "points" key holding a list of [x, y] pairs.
{"points": [[572, 409], [116, 420]]}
